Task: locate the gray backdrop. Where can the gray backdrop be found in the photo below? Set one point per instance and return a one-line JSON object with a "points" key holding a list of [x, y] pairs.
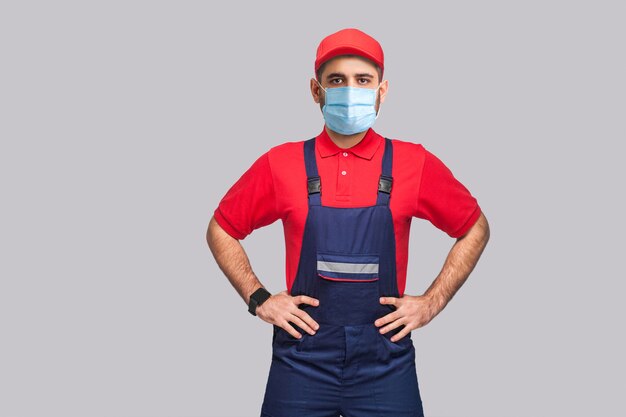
{"points": [[124, 123]]}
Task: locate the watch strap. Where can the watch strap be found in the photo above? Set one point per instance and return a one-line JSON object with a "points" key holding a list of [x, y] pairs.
{"points": [[257, 298]]}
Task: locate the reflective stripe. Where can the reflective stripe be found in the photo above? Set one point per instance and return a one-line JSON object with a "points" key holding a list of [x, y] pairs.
{"points": [[348, 268]]}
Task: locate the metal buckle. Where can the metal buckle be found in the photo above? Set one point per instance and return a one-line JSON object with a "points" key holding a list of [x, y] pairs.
{"points": [[385, 184], [314, 185]]}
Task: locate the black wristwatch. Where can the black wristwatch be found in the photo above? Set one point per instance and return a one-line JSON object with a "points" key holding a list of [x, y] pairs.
{"points": [[257, 298]]}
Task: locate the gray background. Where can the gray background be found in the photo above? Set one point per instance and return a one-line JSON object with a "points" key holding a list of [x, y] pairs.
{"points": [[124, 123]]}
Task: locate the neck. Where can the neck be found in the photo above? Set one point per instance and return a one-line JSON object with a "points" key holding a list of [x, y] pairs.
{"points": [[345, 141]]}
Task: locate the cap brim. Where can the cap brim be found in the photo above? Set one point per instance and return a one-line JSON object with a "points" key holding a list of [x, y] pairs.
{"points": [[347, 50]]}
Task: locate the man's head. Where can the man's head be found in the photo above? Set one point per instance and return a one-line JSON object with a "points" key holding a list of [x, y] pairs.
{"points": [[349, 58]]}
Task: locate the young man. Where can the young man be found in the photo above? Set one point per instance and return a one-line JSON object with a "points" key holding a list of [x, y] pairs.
{"points": [[342, 328]]}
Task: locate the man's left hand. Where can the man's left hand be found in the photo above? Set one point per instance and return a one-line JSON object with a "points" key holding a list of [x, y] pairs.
{"points": [[413, 311]]}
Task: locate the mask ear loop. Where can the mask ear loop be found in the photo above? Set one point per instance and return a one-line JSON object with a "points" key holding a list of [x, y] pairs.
{"points": [[318, 83], [379, 106]]}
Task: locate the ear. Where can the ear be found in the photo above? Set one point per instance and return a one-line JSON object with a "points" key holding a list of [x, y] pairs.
{"points": [[384, 86], [315, 90]]}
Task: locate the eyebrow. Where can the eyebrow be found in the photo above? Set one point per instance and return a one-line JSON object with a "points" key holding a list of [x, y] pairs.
{"points": [[340, 74], [334, 75]]}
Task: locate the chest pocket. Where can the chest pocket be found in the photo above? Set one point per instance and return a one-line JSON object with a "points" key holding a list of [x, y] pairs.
{"points": [[348, 267]]}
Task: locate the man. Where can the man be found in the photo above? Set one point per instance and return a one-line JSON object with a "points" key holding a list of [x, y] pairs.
{"points": [[342, 328]]}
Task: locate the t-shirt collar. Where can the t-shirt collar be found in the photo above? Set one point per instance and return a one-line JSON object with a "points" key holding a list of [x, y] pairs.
{"points": [[366, 148]]}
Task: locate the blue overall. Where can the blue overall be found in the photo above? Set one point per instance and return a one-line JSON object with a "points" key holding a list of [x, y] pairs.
{"points": [[347, 368]]}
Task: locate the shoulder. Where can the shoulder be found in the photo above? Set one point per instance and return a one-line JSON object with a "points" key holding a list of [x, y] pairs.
{"points": [[408, 153], [278, 154], [407, 146], [286, 149], [283, 160], [414, 151], [286, 154]]}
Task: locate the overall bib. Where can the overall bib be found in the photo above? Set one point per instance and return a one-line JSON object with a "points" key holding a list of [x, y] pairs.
{"points": [[348, 261]]}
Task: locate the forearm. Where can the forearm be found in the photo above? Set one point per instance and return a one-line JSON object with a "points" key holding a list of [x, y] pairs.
{"points": [[459, 263], [232, 260]]}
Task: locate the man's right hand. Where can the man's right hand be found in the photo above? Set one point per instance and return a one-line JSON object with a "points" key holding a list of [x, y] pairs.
{"points": [[282, 308]]}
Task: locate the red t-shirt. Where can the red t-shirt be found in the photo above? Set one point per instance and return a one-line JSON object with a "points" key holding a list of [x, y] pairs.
{"points": [[275, 187]]}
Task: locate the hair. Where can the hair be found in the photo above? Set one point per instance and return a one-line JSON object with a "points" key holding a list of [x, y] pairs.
{"points": [[320, 70]]}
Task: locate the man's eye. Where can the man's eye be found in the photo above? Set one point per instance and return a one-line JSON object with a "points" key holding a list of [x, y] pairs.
{"points": [[363, 80], [335, 81]]}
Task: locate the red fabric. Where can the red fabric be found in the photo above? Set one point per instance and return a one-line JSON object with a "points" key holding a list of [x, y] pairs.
{"points": [[349, 41], [274, 187]]}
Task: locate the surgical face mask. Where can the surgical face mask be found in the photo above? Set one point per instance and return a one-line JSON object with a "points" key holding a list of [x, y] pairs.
{"points": [[349, 110]]}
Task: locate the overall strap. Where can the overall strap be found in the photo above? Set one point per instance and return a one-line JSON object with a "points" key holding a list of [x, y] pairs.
{"points": [[314, 184], [386, 180]]}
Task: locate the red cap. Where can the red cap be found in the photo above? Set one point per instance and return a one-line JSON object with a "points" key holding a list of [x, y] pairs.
{"points": [[349, 42]]}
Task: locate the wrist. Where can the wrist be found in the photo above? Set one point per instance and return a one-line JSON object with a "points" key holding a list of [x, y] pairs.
{"points": [[436, 301], [257, 298]]}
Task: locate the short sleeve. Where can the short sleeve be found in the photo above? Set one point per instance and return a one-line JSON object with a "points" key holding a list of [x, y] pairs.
{"points": [[443, 200], [250, 203]]}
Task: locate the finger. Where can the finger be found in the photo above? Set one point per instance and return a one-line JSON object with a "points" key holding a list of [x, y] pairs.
{"points": [[392, 325], [289, 329], [400, 334], [389, 300], [387, 319], [305, 299], [306, 318], [302, 324]]}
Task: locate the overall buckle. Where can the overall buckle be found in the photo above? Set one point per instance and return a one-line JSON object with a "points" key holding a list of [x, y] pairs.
{"points": [[314, 185], [385, 183]]}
